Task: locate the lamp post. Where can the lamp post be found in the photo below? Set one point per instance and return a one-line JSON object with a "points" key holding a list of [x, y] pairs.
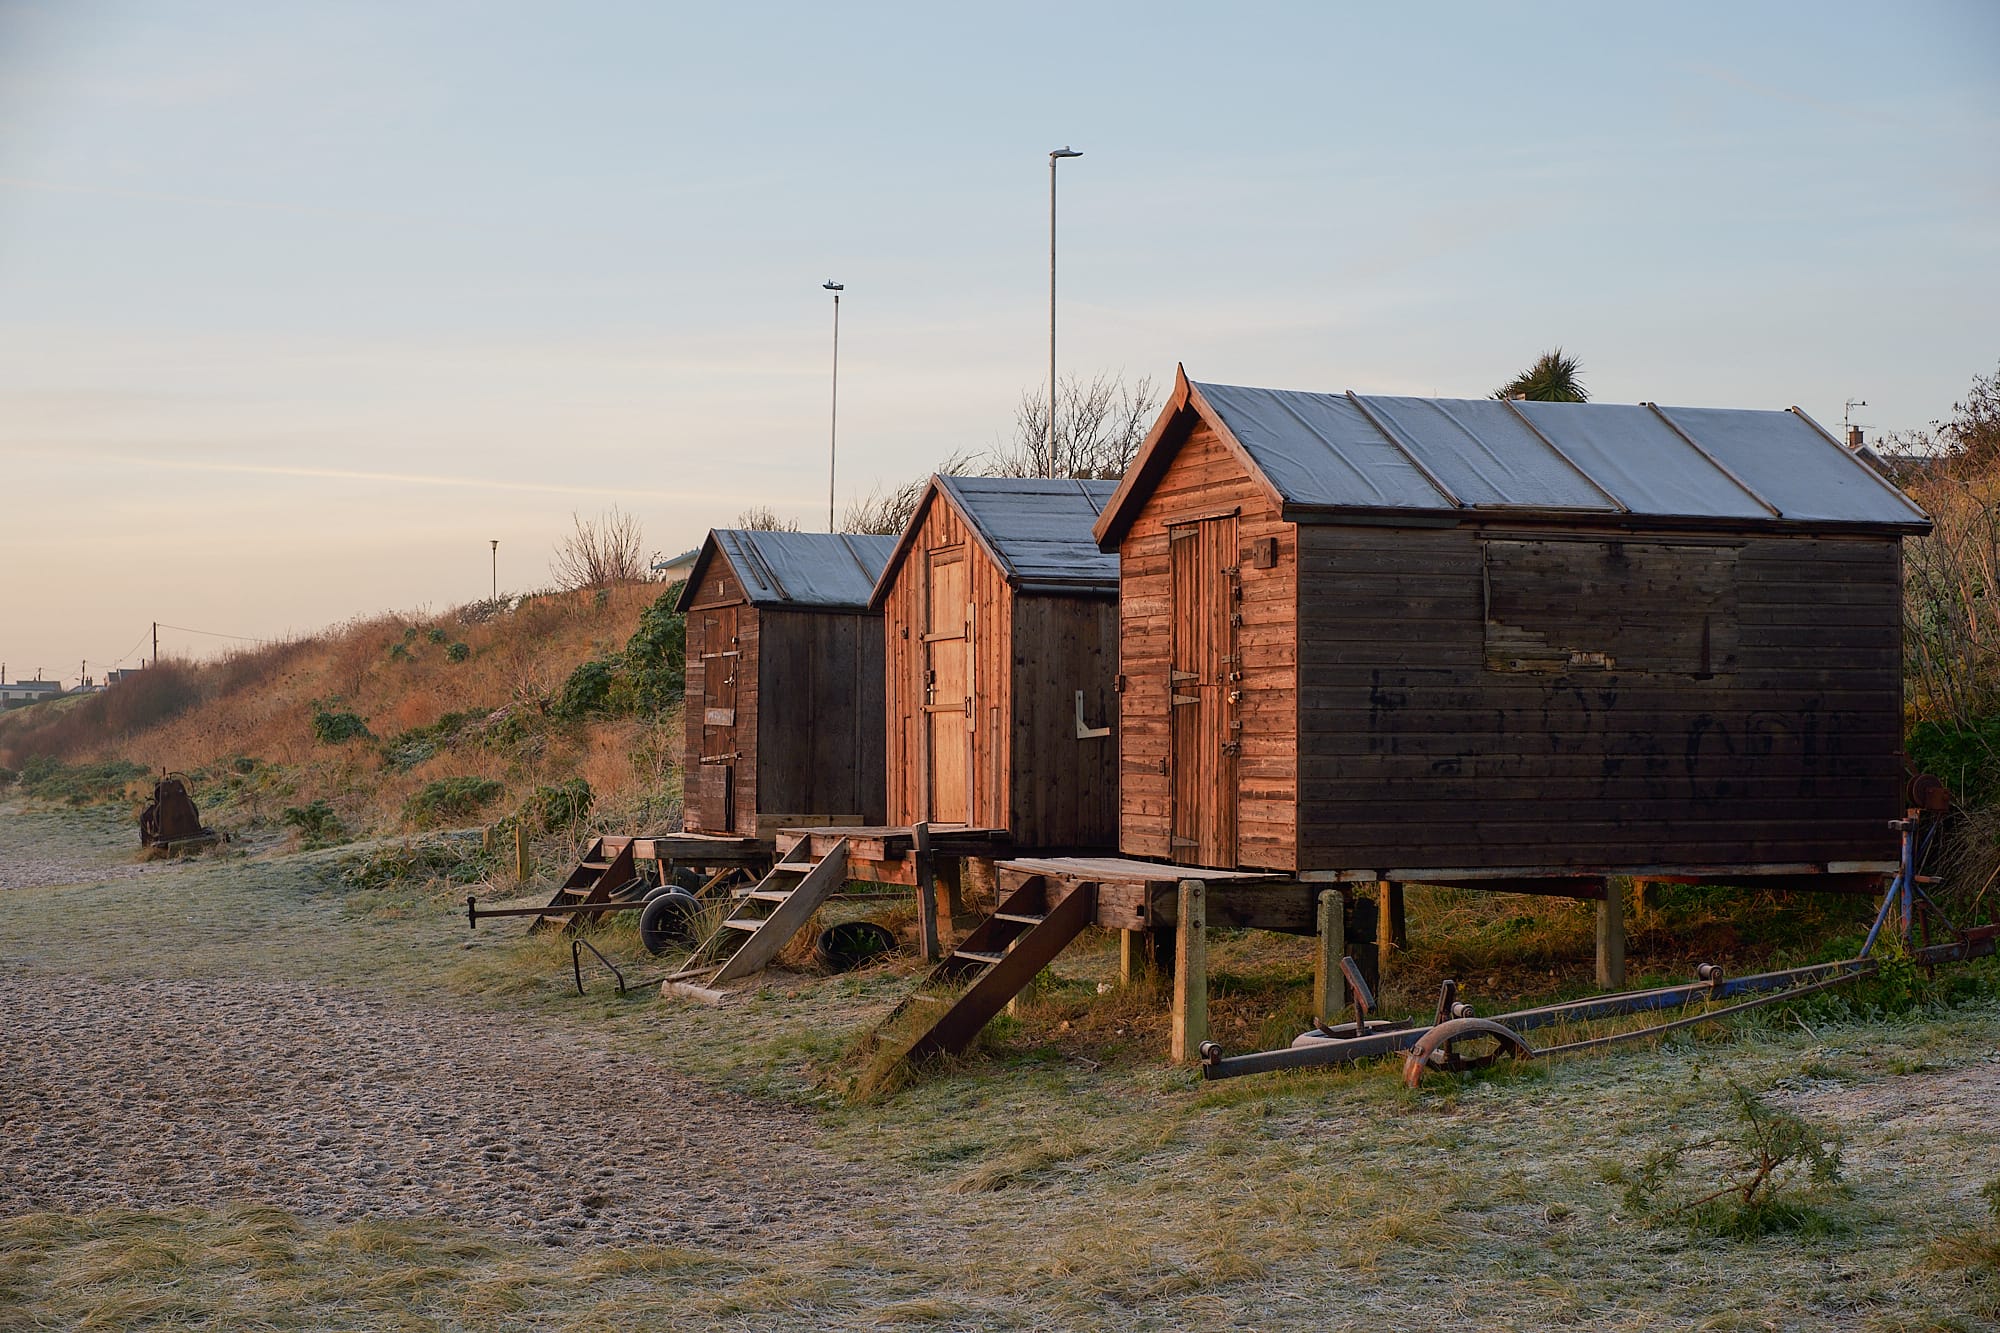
{"points": [[1055, 155], [833, 414], [496, 569]]}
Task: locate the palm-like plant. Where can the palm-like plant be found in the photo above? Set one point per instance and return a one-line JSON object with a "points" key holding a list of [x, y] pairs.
{"points": [[1554, 378]]}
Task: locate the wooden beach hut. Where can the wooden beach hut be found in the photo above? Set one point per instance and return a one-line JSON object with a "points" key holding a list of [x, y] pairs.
{"points": [[1505, 642], [784, 682], [1001, 620]]}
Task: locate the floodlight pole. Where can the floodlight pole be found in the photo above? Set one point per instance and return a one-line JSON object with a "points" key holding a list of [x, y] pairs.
{"points": [[496, 569], [833, 415], [1049, 444]]}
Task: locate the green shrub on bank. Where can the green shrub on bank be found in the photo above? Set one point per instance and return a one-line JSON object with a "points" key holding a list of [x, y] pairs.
{"points": [[457, 652], [644, 680], [79, 784], [1966, 758], [337, 728], [450, 800], [566, 803], [317, 824]]}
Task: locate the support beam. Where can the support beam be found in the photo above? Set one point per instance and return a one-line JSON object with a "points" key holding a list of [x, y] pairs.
{"points": [[1133, 948], [927, 905], [1385, 929], [1329, 986], [1190, 1015], [1611, 936]]}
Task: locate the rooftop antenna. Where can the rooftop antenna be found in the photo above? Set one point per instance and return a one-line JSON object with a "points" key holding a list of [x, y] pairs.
{"points": [[1848, 430]]}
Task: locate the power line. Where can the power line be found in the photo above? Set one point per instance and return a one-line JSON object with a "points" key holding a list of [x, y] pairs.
{"points": [[240, 638]]}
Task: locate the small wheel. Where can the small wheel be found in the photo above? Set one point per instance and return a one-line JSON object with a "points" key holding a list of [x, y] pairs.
{"points": [[848, 944], [688, 879], [668, 919], [1462, 1044]]}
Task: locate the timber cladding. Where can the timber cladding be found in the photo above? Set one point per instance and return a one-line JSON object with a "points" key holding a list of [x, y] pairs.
{"points": [[983, 669], [1331, 661], [784, 702]]}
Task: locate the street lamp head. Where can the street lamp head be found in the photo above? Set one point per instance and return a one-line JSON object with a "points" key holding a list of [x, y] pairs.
{"points": [[1064, 151], [833, 286]]}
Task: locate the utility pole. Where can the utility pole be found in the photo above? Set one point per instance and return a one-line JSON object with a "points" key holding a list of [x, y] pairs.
{"points": [[1055, 156], [156, 643], [496, 569], [833, 412]]}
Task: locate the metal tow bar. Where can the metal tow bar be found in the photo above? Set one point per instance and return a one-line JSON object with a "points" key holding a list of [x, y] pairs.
{"points": [[1456, 1039]]}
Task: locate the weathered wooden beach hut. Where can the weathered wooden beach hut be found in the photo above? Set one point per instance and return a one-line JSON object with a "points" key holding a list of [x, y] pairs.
{"points": [[1385, 638], [1001, 620], [784, 681]]}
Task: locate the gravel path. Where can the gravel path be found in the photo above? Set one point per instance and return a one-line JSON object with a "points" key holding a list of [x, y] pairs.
{"points": [[157, 1094]]}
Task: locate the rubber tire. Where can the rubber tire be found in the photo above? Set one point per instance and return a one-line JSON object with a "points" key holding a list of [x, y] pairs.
{"points": [[688, 879], [668, 919], [846, 945]]}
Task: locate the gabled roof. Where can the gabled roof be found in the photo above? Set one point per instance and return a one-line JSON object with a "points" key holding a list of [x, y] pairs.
{"points": [[831, 571], [1037, 530], [1327, 455]]}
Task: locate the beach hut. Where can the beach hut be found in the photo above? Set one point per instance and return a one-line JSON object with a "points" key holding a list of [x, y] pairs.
{"points": [[1391, 638], [784, 681], [1001, 623]]}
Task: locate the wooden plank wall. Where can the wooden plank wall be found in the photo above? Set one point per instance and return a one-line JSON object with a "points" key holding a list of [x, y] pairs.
{"points": [[1065, 789], [1415, 751], [1204, 478], [992, 677], [820, 723], [702, 784]]}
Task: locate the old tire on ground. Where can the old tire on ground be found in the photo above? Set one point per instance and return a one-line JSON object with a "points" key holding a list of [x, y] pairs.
{"points": [[848, 944], [668, 919]]}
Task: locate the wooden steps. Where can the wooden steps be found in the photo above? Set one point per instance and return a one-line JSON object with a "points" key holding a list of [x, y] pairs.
{"points": [[605, 871], [793, 891], [992, 965]]}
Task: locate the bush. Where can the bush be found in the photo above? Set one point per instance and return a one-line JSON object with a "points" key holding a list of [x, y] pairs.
{"points": [[399, 652], [317, 824], [414, 746], [79, 784], [587, 692], [562, 805], [656, 656], [450, 800], [1965, 757], [331, 728], [1756, 1169], [435, 635], [457, 652], [7, 776]]}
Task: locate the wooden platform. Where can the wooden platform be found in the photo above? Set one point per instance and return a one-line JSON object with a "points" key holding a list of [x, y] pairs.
{"points": [[1588, 882], [703, 849], [1145, 895], [886, 854]]}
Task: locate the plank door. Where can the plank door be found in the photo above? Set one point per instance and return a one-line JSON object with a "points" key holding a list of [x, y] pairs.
{"points": [[948, 710], [1203, 685], [720, 661]]}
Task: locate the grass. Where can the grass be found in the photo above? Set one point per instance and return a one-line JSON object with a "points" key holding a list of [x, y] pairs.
{"points": [[1060, 1175]]}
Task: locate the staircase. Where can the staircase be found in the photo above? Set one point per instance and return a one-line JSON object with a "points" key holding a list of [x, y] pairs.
{"points": [[603, 874], [762, 921], [990, 967]]}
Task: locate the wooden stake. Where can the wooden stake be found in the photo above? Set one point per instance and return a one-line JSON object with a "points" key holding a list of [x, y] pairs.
{"points": [[1190, 1016], [927, 904], [1131, 956], [1329, 986], [524, 865], [1611, 935], [1385, 931]]}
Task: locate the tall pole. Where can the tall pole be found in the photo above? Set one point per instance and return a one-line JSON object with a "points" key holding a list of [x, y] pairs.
{"points": [[833, 415], [1049, 446], [496, 568], [156, 643]]}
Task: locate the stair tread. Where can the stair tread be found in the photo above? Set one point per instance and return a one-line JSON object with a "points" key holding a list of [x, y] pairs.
{"points": [[768, 895], [976, 956], [1021, 917], [593, 865], [744, 922]]}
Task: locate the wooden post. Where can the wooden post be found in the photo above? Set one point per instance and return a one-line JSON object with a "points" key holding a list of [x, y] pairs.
{"points": [[1385, 930], [979, 893], [1399, 931], [949, 906], [1611, 935], [1131, 956], [927, 907], [524, 864], [1329, 986], [1190, 1016]]}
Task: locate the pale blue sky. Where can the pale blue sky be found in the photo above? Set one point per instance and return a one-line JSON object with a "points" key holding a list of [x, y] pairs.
{"points": [[302, 304]]}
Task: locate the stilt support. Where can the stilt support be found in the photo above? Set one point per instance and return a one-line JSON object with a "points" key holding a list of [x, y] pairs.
{"points": [[927, 903], [1133, 946], [1611, 935], [1388, 901], [1329, 986], [1190, 1016]]}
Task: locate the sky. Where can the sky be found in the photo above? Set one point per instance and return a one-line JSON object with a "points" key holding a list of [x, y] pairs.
{"points": [[302, 306]]}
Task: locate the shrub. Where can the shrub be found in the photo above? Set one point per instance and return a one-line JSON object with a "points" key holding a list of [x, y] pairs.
{"points": [[399, 652], [1966, 757], [317, 824], [656, 655], [406, 751], [1757, 1166], [457, 652], [79, 784], [450, 799], [331, 728], [562, 805], [435, 635], [7, 776], [587, 692]]}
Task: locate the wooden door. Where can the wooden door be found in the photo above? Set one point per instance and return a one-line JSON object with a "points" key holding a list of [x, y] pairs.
{"points": [[1203, 687], [720, 661], [948, 709]]}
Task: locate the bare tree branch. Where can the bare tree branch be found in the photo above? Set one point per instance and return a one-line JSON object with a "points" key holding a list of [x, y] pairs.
{"points": [[602, 551]]}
